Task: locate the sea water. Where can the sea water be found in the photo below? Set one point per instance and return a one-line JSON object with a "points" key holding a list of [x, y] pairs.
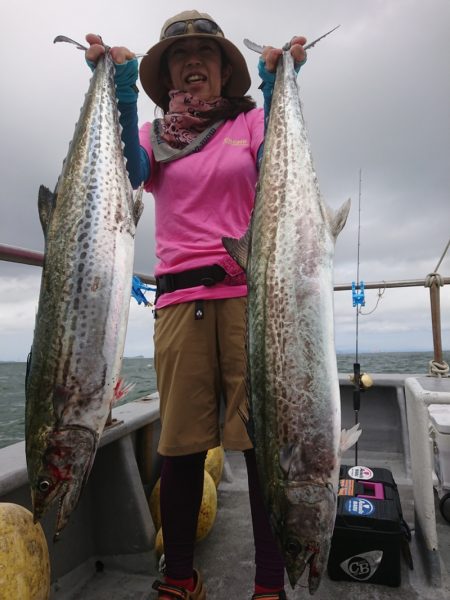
{"points": [[140, 372], [137, 371]]}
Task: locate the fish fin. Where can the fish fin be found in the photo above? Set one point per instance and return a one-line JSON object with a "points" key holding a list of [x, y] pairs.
{"points": [[286, 456], [249, 426], [339, 218], [27, 372], [238, 248], [252, 46], [64, 38], [245, 412], [350, 437], [138, 205], [46, 204], [60, 400], [121, 390]]}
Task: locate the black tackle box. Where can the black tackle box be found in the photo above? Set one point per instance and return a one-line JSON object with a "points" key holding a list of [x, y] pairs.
{"points": [[370, 534]]}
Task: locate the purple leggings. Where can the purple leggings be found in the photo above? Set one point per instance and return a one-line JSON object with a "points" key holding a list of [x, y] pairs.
{"points": [[181, 495]]}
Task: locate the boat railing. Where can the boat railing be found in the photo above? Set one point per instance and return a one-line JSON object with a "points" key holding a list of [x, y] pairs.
{"points": [[434, 281]]}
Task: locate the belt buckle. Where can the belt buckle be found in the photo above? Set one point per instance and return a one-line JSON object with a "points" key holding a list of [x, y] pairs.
{"points": [[217, 274], [207, 281]]}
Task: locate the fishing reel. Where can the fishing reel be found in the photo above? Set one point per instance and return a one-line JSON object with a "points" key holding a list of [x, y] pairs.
{"points": [[358, 296], [365, 380]]}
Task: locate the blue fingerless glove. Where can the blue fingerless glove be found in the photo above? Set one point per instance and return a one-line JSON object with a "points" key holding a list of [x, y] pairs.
{"points": [[125, 79], [267, 83]]}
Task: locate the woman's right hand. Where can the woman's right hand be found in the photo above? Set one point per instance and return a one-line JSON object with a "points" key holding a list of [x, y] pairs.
{"points": [[271, 55], [119, 54]]}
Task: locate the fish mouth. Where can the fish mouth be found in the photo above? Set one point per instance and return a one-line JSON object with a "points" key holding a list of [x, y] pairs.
{"points": [[317, 564], [313, 557], [67, 503], [66, 494], [307, 532], [64, 472], [296, 565]]}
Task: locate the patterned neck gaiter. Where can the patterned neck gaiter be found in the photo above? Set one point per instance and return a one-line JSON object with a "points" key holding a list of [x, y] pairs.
{"points": [[184, 121]]}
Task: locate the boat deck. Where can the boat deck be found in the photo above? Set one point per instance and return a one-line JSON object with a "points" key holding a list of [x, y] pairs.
{"points": [[225, 559], [106, 550]]}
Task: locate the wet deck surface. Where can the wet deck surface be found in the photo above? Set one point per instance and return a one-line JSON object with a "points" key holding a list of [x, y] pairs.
{"points": [[225, 559]]}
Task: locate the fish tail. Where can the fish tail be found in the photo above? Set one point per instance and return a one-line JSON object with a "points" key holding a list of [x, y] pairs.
{"points": [[350, 437]]}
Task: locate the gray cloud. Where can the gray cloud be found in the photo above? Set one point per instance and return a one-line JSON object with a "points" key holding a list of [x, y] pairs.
{"points": [[376, 95]]}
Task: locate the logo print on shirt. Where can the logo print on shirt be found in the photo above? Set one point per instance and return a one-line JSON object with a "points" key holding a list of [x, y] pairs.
{"points": [[232, 142]]}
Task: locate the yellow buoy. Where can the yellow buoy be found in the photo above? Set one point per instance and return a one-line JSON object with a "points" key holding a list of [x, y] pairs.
{"points": [[206, 517], [214, 463], [153, 504], [208, 508], [24, 559], [159, 546]]}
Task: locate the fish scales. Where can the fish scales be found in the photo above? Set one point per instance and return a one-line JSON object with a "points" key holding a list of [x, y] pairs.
{"points": [[294, 399], [74, 367], [290, 272]]}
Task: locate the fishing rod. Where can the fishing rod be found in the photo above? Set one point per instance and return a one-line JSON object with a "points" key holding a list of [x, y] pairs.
{"points": [[358, 300]]}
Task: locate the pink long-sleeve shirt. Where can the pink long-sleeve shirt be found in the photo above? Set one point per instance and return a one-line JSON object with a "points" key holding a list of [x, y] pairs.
{"points": [[202, 197]]}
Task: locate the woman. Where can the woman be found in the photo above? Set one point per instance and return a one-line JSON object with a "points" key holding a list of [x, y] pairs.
{"points": [[200, 162]]}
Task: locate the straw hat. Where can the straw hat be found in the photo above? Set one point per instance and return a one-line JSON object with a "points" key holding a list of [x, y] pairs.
{"points": [[196, 24]]}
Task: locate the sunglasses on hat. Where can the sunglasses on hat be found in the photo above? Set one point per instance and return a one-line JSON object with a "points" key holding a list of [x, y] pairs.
{"points": [[198, 25]]}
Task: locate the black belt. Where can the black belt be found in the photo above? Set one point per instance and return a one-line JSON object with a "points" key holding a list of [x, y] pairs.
{"points": [[206, 276]]}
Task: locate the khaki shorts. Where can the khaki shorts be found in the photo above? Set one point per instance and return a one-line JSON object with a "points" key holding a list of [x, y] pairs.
{"points": [[198, 363]]}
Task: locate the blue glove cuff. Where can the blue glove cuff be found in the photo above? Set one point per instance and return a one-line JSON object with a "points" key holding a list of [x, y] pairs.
{"points": [[266, 76], [267, 84], [125, 79]]}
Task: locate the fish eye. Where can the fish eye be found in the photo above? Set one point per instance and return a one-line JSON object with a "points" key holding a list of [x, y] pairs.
{"points": [[43, 485], [293, 547]]}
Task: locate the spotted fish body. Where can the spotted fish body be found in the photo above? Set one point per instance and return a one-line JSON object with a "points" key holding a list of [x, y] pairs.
{"points": [[293, 378], [74, 367]]}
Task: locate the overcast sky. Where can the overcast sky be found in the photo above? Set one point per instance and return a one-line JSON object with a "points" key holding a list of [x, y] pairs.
{"points": [[376, 97]]}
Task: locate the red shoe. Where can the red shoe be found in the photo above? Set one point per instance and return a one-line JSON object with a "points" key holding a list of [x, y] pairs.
{"points": [[167, 591], [281, 595]]}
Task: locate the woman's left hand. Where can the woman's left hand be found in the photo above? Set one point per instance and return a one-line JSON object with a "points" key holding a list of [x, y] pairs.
{"points": [[271, 55], [120, 54]]}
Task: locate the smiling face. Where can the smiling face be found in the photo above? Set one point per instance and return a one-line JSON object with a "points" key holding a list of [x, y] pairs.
{"points": [[195, 66]]}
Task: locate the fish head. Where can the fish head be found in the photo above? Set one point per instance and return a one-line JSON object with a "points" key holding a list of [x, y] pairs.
{"points": [[306, 535], [62, 472]]}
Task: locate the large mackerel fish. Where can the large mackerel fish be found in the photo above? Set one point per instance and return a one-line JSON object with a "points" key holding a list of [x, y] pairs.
{"points": [[73, 374], [294, 399]]}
